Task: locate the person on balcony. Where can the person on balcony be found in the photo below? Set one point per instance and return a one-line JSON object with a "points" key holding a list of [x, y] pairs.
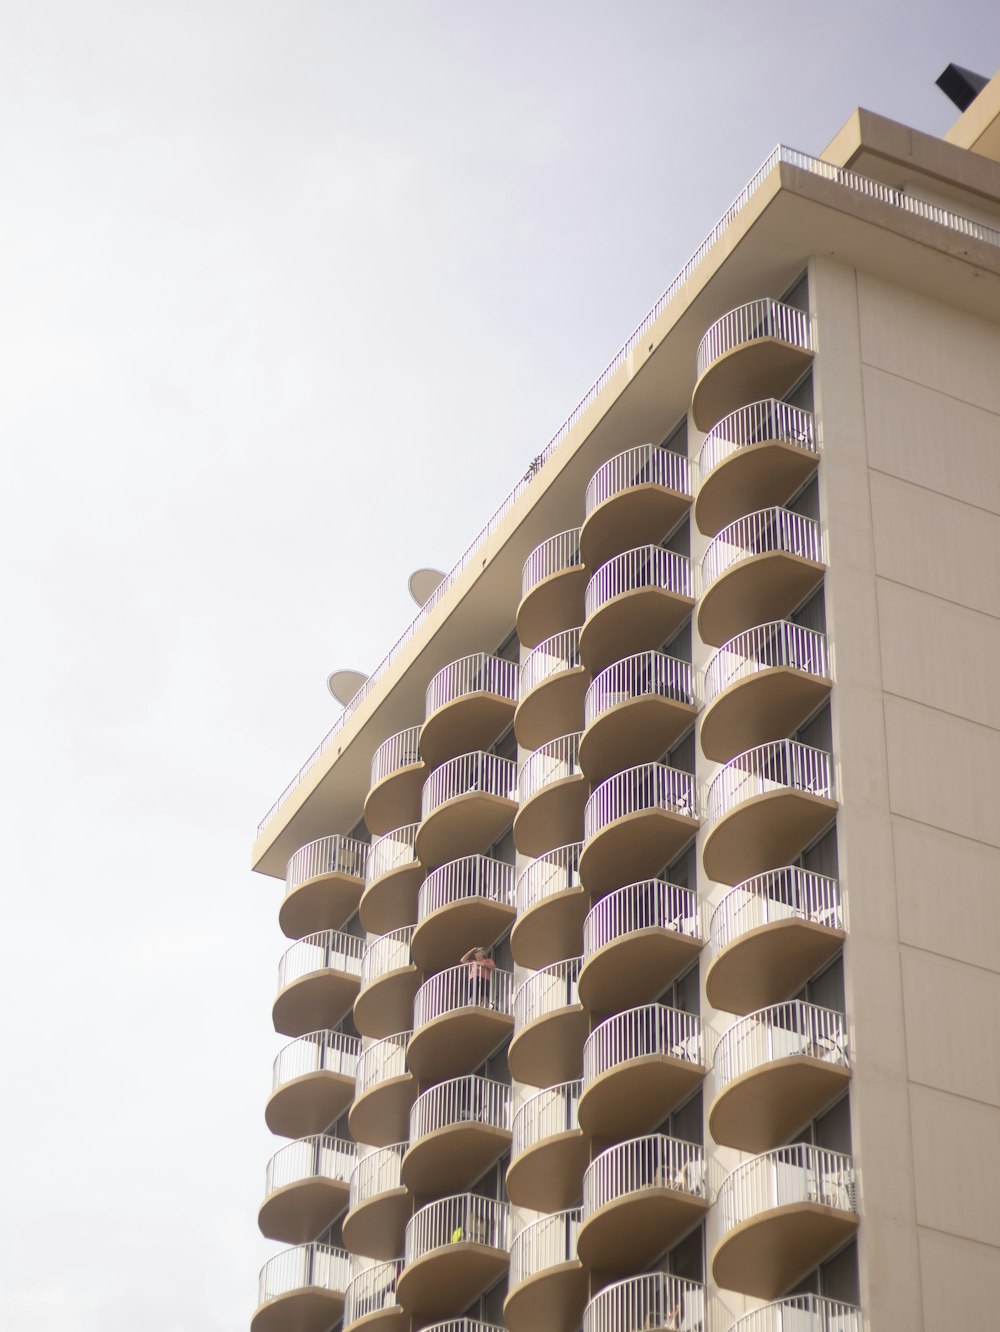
{"points": [[481, 970]]}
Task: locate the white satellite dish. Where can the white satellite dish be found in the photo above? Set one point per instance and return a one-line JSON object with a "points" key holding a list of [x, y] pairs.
{"points": [[343, 685], [423, 583]]}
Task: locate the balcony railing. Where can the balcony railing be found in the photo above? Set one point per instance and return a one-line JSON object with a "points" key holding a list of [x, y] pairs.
{"points": [[479, 674], [555, 872], [559, 653], [371, 1291], [327, 855], [780, 1032], [648, 786], [465, 1217], [463, 1325], [780, 894], [544, 1115], [478, 771], [654, 1300], [546, 991], [461, 987], [646, 465], [465, 1100], [651, 1162], [391, 852], [380, 1062], [556, 555], [401, 750], [544, 1244], [389, 953], [760, 421], [780, 643], [316, 1265], [801, 1313], [765, 318], [471, 876], [651, 1029], [330, 950], [319, 1052], [319, 1157], [796, 1174], [376, 1173], [780, 765], [768, 531], [550, 763], [645, 674], [649, 905], [645, 567]]}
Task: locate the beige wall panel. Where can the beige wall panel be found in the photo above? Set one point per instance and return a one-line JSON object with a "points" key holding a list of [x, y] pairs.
{"points": [[957, 1148], [933, 344], [948, 890], [933, 440], [936, 544], [959, 1282], [952, 1020], [943, 770]]}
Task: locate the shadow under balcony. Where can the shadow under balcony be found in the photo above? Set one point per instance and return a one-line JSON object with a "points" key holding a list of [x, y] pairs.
{"points": [[550, 1026], [458, 1129], [392, 882], [459, 1018], [633, 603], [549, 1151], [547, 1286], [318, 980], [306, 1188], [323, 884], [379, 1204], [466, 804], [302, 1290], [553, 682], [397, 778], [389, 981], [455, 1249], [313, 1083], [370, 1300], [552, 791], [634, 711], [467, 705], [638, 496], [386, 1089], [467, 901], [552, 585], [551, 906], [634, 823]]}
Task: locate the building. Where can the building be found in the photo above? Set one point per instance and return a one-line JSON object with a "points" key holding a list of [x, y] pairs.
{"points": [[700, 741]]}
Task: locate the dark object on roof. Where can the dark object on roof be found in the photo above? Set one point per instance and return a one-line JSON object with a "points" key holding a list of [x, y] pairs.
{"points": [[961, 85]]}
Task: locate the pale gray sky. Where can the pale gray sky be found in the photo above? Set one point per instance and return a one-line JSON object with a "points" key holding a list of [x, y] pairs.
{"points": [[266, 266]]}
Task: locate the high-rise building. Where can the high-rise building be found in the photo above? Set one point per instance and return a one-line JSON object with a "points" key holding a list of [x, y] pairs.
{"points": [[644, 902]]}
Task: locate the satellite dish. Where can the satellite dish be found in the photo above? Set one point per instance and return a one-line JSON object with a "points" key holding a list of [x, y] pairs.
{"points": [[343, 685], [423, 583]]}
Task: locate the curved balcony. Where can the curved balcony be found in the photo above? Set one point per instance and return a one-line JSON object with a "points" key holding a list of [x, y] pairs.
{"points": [[551, 906], [780, 1214], [634, 711], [764, 806], [306, 1188], [769, 935], [553, 682], [386, 1088], [552, 791], [468, 703], [635, 941], [318, 979], [550, 1026], [463, 1325], [323, 885], [633, 602], [370, 1300], [638, 1198], [552, 584], [757, 456], [302, 1288], [379, 1204], [547, 1286], [759, 348], [458, 1129], [397, 778], [637, 1065], [634, 823], [459, 1017], [757, 569], [638, 496], [762, 685], [466, 804], [653, 1300], [549, 1151], [467, 901], [801, 1313], [313, 1083], [455, 1249], [774, 1071], [389, 981], [392, 882]]}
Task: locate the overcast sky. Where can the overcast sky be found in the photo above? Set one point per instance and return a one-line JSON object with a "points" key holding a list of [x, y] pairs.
{"points": [[268, 266]]}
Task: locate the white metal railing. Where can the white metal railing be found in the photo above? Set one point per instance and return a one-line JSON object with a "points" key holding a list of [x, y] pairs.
{"points": [[372, 1290], [330, 950], [465, 1100], [764, 318], [315, 1265], [471, 876], [648, 786], [327, 855], [481, 673], [544, 1244], [550, 763], [561, 652], [795, 1174], [770, 419], [651, 1029], [381, 1061], [649, 905], [546, 991], [780, 1032], [544, 1115], [647, 673], [377, 1173], [761, 533], [653, 1300], [392, 852], [463, 1325], [779, 894], [463, 1218], [318, 1052], [651, 1162], [646, 566], [390, 952], [843, 178], [646, 465], [555, 872], [556, 555], [318, 1157], [461, 987], [778, 643], [801, 1313], [401, 750], [779, 765], [477, 771]]}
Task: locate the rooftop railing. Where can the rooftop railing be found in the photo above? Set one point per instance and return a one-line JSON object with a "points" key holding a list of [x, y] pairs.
{"points": [[796, 1174], [544, 1115], [316, 1265], [319, 1157], [764, 318], [327, 855], [546, 991], [478, 771], [645, 674], [780, 765], [389, 953], [461, 987], [381, 1061], [780, 894], [479, 674], [555, 872], [779, 643], [371, 1291], [561, 652], [400, 751], [653, 1300], [318, 1052], [651, 1162], [543, 1244], [646, 465], [550, 763], [648, 786], [801, 1313], [651, 1029], [470, 1099], [780, 1032], [646, 566], [649, 905], [762, 533], [471, 876], [391, 852], [556, 555], [770, 419], [330, 950], [465, 1217], [376, 1173]]}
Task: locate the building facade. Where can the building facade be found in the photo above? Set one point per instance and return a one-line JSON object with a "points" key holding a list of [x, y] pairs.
{"points": [[643, 906]]}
